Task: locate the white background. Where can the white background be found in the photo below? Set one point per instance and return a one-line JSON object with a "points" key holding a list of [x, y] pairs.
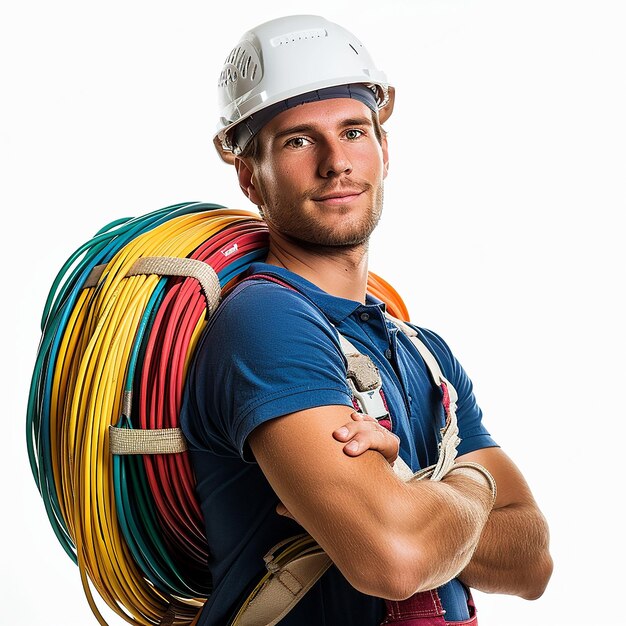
{"points": [[502, 230]]}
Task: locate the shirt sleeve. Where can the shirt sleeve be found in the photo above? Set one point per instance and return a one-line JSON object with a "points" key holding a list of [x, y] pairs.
{"points": [[268, 351], [473, 433]]}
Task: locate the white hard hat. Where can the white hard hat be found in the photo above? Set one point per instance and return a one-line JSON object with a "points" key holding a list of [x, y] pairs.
{"points": [[288, 57]]}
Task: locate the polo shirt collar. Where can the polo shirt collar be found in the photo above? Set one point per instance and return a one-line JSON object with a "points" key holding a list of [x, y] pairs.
{"points": [[335, 308]]}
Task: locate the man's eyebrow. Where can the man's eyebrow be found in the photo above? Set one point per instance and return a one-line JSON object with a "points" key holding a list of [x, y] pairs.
{"points": [[309, 128], [300, 128], [357, 121]]}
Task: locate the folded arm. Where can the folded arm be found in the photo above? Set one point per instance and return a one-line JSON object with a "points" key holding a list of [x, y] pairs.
{"points": [[512, 556], [389, 539]]}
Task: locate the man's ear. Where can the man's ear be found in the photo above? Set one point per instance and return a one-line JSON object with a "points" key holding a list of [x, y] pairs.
{"points": [[245, 175]]}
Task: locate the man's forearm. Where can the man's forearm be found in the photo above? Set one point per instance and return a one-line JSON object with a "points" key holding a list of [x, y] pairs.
{"points": [[456, 510], [512, 555]]}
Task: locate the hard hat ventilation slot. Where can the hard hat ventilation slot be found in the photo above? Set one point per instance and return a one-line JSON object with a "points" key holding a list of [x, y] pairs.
{"points": [[238, 63], [299, 35], [245, 67]]}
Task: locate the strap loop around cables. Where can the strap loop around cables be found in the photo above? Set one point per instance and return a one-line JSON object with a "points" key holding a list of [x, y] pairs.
{"points": [[171, 266], [143, 441], [176, 266], [94, 276]]}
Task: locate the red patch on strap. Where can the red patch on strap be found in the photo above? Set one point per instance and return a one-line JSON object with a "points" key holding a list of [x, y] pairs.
{"points": [[446, 398]]}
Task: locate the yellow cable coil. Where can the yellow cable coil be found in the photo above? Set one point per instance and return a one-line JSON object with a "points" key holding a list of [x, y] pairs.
{"points": [[88, 389]]}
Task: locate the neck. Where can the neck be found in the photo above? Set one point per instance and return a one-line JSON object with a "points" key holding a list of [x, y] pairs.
{"points": [[339, 271]]}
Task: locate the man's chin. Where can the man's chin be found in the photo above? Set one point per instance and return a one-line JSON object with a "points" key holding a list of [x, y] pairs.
{"points": [[332, 240], [342, 231]]}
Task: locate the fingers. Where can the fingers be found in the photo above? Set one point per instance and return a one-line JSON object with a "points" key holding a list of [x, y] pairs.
{"points": [[361, 423], [346, 432], [365, 433]]}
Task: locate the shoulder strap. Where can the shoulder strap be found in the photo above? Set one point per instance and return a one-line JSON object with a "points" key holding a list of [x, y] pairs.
{"points": [[450, 432]]}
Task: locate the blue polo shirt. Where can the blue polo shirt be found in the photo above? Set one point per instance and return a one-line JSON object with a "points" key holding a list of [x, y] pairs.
{"points": [[269, 351]]}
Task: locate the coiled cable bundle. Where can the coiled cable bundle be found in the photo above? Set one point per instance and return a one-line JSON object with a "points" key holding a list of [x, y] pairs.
{"points": [[119, 329]]}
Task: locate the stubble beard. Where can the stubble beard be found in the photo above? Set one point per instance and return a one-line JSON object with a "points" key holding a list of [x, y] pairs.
{"points": [[310, 231]]}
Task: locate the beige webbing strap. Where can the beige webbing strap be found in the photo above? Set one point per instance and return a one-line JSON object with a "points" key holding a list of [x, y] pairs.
{"points": [[346, 346], [171, 266], [94, 276], [363, 379], [127, 403], [447, 449], [177, 266], [431, 362], [450, 432], [291, 574], [144, 441], [362, 370], [285, 589]]}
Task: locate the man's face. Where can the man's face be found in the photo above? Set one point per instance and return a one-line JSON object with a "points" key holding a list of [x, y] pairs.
{"points": [[319, 174]]}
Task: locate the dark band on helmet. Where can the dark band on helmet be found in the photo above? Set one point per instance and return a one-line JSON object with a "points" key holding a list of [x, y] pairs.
{"points": [[248, 128]]}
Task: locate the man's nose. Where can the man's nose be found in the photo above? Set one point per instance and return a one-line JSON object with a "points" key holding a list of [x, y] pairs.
{"points": [[335, 159]]}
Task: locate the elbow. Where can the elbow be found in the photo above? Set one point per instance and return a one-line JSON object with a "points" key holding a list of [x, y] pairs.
{"points": [[390, 584], [396, 574], [539, 578]]}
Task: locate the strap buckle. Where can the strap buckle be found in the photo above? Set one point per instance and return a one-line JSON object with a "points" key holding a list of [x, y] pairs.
{"points": [[370, 401]]}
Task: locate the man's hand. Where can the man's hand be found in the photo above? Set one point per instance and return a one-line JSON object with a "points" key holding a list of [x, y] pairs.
{"points": [[361, 434], [365, 433]]}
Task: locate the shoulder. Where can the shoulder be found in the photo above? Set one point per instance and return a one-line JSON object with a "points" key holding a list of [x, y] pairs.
{"points": [[473, 433], [440, 349], [262, 312], [267, 351]]}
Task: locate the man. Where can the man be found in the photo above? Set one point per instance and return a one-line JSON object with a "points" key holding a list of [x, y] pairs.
{"points": [[267, 397]]}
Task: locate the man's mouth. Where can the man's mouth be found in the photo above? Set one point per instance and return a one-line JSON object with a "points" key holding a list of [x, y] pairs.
{"points": [[340, 196]]}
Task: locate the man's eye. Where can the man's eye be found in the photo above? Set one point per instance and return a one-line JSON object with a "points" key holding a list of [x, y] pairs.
{"points": [[353, 133], [298, 142]]}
